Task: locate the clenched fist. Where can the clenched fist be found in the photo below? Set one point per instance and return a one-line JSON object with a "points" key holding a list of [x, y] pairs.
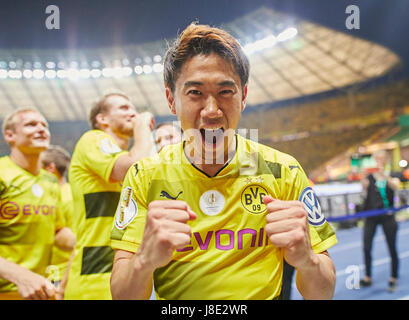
{"points": [[166, 230], [287, 227]]}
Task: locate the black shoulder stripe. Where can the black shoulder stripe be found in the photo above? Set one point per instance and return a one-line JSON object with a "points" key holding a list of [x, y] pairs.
{"points": [[275, 169]]}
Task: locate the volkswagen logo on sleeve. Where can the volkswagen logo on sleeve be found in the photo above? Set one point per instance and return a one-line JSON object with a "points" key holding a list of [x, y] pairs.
{"points": [[312, 206]]}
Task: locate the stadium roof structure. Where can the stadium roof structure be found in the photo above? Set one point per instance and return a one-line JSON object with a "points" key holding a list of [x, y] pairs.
{"points": [[312, 80], [290, 57]]}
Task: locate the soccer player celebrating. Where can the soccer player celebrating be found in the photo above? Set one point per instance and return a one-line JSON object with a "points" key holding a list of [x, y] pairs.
{"points": [[98, 166], [30, 219], [213, 217]]}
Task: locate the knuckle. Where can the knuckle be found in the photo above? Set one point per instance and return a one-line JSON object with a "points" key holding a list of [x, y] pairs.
{"points": [[163, 238]]}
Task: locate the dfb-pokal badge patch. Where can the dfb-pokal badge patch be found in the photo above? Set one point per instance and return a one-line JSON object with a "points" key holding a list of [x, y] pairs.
{"points": [[127, 209]]}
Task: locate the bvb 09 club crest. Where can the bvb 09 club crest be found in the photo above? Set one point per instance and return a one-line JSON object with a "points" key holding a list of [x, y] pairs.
{"points": [[252, 198]]}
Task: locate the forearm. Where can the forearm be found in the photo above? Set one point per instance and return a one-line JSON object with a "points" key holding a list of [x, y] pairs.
{"points": [[65, 239], [143, 145], [9, 270], [130, 279], [318, 280], [64, 279]]}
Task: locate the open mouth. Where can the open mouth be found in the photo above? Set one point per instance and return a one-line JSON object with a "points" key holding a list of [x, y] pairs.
{"points": [[212, 137]]}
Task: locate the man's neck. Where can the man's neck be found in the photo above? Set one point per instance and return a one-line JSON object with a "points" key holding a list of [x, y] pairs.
{"points": [[29, 162], [122, 142], [217, 165]]}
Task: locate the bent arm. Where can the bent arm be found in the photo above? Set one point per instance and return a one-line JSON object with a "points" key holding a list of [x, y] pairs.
{"points": [[317, 280], [30, 285], [143, 146], [130, 277], [64, 239]]}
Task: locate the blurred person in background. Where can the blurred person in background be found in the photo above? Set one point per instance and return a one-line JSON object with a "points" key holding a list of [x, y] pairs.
{"points": [[30, 213], [98, 166], [167, 133], [379, 188], [57, 160]]}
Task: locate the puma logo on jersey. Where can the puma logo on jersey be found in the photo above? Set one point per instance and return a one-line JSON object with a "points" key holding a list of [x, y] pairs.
{"points": [[167, 195]]}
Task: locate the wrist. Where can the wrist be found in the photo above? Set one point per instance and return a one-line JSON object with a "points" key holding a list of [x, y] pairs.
{"points": [[141, 263], [310, 264]]}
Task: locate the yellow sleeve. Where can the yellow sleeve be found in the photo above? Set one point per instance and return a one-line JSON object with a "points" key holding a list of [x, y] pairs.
{"points": [[99, 152], [130, 216], [296, 186]]}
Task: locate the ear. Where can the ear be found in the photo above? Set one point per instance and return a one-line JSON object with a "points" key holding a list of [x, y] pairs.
{"points": [[9, 136], [171, 100], [51, 167], [244, 98], [101, 120]]}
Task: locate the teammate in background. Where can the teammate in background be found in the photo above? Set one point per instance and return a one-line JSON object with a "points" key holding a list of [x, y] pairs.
{"points": [[98, 166], [214, 217], [57, 160], [30, 218], [380, 188], [167, 133]]}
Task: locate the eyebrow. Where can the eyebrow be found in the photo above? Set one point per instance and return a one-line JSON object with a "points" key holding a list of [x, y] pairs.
{"points": [[224, 83]]}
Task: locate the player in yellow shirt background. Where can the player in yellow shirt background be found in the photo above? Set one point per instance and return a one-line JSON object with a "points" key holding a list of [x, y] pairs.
{"points": [[30, 218], [99, 163], [214, 217], [57, 160]]}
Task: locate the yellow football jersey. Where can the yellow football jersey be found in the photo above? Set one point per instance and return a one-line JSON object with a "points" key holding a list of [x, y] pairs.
{"points": [[95, 200], [229, 255], [59, 259], [29, 218]]}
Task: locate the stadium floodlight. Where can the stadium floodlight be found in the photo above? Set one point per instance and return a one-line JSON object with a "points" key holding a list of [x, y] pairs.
{"points": [[50, 64], [95, 64], [15, 74], [117, 72], [261, 44], [73, 74], [85, 73], [157, 67], [50, 74], [270, 41], [147, 69], [138, 69], [3, 74], [61, 74], [96, 73], [127, 71], [287, 34], [28, 74], [157, 58], [107, 72], [38, 73]]}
